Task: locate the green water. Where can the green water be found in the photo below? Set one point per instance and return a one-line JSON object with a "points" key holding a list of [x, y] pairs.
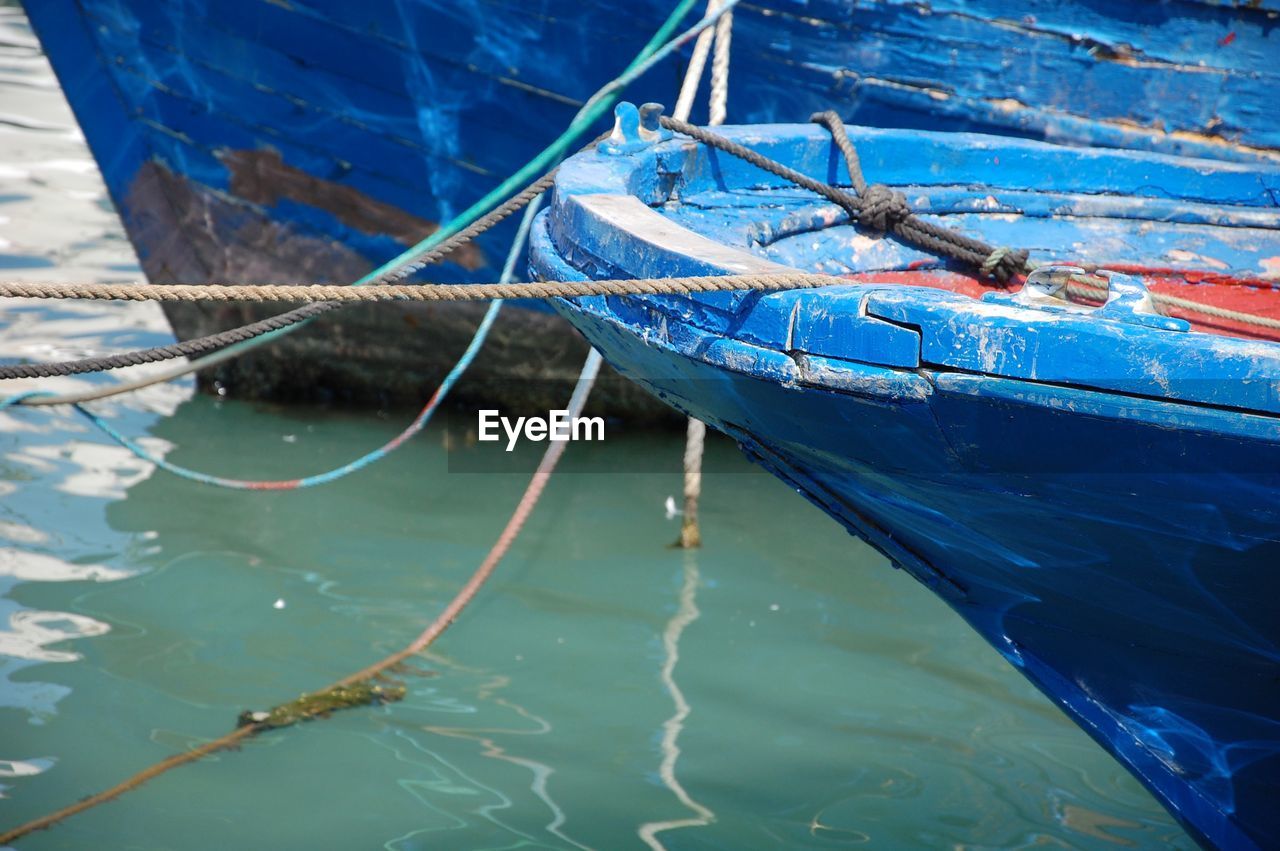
{"points": [[783, 687], [828, 700]]}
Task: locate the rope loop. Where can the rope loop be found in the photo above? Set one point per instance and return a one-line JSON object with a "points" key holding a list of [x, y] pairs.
{"points": [[1004, 263], [882, 208]]}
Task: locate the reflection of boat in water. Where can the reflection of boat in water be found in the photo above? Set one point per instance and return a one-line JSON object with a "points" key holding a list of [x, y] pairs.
{"points": [[311, 140], [1094, 488]]}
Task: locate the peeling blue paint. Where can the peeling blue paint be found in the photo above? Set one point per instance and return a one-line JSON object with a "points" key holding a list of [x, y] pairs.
{"points": [[1097, 491]]}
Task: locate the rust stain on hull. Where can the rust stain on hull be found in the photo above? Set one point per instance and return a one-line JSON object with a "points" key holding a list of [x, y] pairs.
{"points": [[263, 177], [376, 355]]}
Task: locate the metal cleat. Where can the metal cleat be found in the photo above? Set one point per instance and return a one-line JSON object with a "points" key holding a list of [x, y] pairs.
{"points": [[634, 129]]}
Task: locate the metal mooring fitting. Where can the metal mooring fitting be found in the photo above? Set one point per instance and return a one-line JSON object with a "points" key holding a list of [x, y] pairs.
{"points": [[1129, 300], [1048, 282], [1045, 288], [634, 129]]}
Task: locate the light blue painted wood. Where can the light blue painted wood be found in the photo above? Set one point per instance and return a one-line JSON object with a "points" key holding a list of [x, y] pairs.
{"points": [[1096, 491]]}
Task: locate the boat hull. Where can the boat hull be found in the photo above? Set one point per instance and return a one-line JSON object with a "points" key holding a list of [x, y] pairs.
{"points": [[252, 141], [1127, 569], [1096, 490]]}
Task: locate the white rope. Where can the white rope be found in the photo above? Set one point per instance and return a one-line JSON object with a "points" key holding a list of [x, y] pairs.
{"points": [[694, 439], [720, 69], [696, 435], [698, 61]]}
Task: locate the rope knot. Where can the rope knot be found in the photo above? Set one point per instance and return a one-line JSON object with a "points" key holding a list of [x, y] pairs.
{"points": [[882, 208], [1004, 262]]}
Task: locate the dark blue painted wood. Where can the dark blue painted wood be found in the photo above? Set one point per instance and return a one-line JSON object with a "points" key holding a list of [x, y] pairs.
{"points": [[1096, 491], [425, 104], [949, 452]]}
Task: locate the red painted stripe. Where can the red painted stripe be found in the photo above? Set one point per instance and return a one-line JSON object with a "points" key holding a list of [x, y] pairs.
{"points": [[1255, 296]]}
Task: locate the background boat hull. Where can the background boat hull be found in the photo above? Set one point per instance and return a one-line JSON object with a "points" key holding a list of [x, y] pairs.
{"points": [[248, 141]]}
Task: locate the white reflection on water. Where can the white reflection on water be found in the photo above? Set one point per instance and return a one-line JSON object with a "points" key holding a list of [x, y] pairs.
{"points": [[29, 631], [57, 224], [38, 567], [94, 469], [25, 634], [23, 768], [686, 614], [21, 533], [487, 739]]}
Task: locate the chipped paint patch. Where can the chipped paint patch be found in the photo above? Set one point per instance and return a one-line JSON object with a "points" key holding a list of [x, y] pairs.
{"points": [[262, 177], [1177, 255]]}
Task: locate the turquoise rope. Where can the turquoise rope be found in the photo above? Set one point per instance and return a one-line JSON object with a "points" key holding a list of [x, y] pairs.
{"points": [[19, 398], [595, 108], [419, 422]]}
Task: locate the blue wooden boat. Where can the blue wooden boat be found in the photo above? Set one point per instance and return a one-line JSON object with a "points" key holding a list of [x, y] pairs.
{"points": [[260, 140], [1095, 488]]}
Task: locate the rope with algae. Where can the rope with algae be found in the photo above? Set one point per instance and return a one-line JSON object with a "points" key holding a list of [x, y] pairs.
{"points": [[363, 687]]}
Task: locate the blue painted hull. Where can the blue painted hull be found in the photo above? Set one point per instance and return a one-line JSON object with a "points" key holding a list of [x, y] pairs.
{"points": [[1133, 581], [314, 139], [1097, 492]]}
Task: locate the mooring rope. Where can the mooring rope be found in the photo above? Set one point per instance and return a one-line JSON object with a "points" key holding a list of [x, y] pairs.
{"points": [[360, 688], [718, 102], [458, 231], [881, 209], [413, 292], [212, 342], [484, 292], [419, 422], [693, 72], [182, 349]]}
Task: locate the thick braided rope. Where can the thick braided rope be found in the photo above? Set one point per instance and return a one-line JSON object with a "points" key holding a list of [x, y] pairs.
{"points": [[891, 212], [212, 342], [412, 292], [933, 238], [186, 348], [537, 290]]}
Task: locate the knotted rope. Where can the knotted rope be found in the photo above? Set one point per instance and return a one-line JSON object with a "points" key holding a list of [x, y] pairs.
{"points": [[884, 210], [895, 217]]}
